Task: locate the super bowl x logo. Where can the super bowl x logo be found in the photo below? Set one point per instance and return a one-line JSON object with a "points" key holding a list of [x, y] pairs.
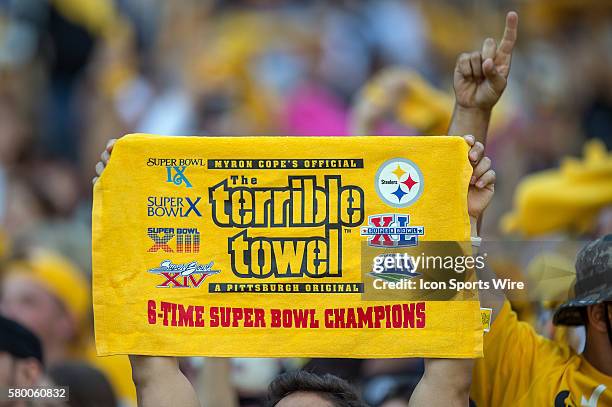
{"points": [[170, 240], [183, 275], [391, 230], [175, 168], [399, 182], [174, 207], [304, 202]]}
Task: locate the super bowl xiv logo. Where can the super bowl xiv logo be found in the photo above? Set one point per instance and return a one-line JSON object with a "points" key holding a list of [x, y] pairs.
{"points": [[185, 275], [324, 207], [175, 168], [399, 182], [391, 230]]}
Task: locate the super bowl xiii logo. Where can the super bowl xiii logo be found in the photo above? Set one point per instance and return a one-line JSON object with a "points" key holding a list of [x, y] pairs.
{"points": [[399, 182]]}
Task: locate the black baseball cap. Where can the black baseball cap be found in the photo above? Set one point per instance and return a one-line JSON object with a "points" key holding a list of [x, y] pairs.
{"points": [[19, 341]]}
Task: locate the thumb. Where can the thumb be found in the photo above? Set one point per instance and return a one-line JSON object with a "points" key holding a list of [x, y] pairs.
{"points": [[496, 80]]}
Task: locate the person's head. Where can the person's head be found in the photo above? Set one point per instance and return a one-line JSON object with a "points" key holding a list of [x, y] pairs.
{"points": [[48, 295], [400, 394], [21, 357], [592, 302], [304, 389], [88, 386]]}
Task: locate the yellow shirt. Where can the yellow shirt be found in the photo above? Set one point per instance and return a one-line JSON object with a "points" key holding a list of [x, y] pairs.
{"points": [[522, 368]]}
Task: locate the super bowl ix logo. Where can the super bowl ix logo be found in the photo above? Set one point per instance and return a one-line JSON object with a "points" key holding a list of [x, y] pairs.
{"points": [[175, 168], [169, 240], [391, 230], [399, 182], [185, 275]]}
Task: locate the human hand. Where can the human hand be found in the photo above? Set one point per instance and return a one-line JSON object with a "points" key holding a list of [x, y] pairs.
{"points": [[104, 157], [480, 77]]}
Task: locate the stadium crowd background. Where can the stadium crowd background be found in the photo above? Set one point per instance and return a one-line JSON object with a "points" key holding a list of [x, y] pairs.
{"points": [[75, 73]]}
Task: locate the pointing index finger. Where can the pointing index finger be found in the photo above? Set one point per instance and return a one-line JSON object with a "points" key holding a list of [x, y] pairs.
{"points": [[510, 33]]}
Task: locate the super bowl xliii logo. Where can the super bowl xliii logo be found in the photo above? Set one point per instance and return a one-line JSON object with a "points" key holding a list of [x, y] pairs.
{"points": [[303, 203]]}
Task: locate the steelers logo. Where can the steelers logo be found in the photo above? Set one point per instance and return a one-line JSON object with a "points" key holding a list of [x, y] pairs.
{"points": [[399, 182]]}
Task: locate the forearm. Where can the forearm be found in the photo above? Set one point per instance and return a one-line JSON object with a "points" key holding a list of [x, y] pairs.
{"points": [[491, 298], [445, 383], [474, 121], [215, 387], [160, 383]]}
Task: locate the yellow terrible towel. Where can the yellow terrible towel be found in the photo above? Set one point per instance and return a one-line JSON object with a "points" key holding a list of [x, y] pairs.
{"points": [[255, 246]]}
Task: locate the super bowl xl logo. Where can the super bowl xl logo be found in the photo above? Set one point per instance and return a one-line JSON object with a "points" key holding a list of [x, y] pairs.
{"points": [[399, 182], [391, 230]]}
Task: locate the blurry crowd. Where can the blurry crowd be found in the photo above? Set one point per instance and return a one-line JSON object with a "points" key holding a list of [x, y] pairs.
{"points": [[76, 73]]}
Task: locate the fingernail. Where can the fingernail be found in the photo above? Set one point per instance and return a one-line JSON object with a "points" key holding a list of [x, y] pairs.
{"points": [[473, 156], [480, 184]]}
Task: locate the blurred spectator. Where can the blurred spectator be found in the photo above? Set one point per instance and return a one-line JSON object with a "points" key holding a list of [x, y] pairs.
{"points": [[21, 356], [47, 293], [88, 386]]}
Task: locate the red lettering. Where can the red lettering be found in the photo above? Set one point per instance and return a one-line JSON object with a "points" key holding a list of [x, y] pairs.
{"points": [[197, 283], [420, 313], [151, 311], [214, 317], [364, 316], [171, 278], [275, 318], [260, 317], [379, 313], [199, 312], [165, 307], [185, 315], [237, 316], [173, 306], [328, 314]]}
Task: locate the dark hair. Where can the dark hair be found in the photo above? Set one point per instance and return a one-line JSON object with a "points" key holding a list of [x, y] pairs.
{"points": [[88, 385], [329, 387]]}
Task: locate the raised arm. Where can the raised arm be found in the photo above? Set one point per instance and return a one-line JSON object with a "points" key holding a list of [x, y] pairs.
{"points": [[214, 385], [479, 79], [160, 383], [446, 382]]}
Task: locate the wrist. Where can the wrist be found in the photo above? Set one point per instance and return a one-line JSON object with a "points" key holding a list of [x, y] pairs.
{"points": [[473, 226], [483, 112]]}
